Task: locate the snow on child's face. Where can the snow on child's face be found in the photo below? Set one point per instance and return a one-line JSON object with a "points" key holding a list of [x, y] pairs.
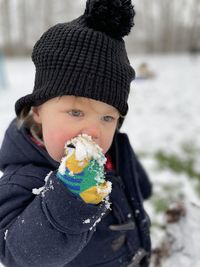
{"points": [[63, 118]]}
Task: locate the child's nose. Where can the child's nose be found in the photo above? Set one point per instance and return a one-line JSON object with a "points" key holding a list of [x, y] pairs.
{"points": [[92, 130]]}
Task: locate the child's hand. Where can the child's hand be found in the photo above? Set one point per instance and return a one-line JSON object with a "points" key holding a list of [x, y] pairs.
{"points": [[82, 170]]}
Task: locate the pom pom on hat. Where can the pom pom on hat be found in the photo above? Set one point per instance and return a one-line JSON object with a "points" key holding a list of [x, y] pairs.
{"points": [[114, 17]]}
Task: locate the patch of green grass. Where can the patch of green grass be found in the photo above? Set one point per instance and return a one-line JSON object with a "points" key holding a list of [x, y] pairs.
{"points": [[184, 162], [160, 204], [166, 196]]}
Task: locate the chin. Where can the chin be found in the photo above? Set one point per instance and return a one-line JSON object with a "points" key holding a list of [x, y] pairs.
{"points": [[55, 157]]}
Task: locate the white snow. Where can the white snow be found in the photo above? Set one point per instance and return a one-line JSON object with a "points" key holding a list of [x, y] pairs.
{"points": [[86, 221], [163, 114], [5, 234], [86, 148], [182, 238], [107, 203], [61, 168], [37, 191], [106, 190], [44, 188], [95, 223], [186, 239]]}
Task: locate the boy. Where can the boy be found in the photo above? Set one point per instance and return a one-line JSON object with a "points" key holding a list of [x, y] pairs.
{"points": [[81, 87]]}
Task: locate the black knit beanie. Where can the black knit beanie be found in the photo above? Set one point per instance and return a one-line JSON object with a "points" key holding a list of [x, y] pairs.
{"points": [[85, 57]]}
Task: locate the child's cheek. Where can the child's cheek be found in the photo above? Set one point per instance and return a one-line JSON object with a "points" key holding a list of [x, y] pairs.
{"points": [[57, 144], [54, 144]]}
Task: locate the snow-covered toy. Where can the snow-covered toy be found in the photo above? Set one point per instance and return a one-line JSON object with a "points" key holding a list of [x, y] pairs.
{"points": [[82, 169]]}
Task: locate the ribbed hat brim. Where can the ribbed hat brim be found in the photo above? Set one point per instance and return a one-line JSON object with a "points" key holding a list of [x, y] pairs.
{"points": [[77, 84]]}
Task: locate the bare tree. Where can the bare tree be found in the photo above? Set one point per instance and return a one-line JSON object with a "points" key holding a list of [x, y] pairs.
{"points": [[6, 25], [161, 25], [194, 33], [23, 21], [47, 7]]}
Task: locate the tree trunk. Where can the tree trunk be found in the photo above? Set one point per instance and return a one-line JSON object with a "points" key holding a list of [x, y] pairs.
{"points": [[6, 25]]}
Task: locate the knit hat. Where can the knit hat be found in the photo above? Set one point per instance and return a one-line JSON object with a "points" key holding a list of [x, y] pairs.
{"points": [[85, 57]]}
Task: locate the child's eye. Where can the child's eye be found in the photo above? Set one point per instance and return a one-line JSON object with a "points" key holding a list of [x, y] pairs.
{"points": [[75, 113], [108, 118]]}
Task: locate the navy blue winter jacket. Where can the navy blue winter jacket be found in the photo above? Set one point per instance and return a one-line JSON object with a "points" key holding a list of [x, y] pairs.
{"points": [[55, 228]]}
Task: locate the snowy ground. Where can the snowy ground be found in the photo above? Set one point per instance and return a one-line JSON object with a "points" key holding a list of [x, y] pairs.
{"points": [[164, 115]]}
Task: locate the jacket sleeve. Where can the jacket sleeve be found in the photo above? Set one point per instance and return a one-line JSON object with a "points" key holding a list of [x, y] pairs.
{"points": [[46, 227]]}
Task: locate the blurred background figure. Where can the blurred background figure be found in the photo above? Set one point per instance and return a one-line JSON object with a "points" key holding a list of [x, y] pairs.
{"points": [[144, 71]]}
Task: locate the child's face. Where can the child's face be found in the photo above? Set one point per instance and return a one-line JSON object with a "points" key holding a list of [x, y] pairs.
{"points": [[63, 118]]}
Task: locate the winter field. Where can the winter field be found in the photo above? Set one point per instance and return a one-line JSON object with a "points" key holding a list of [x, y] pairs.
{"points": [[163, 125]]}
